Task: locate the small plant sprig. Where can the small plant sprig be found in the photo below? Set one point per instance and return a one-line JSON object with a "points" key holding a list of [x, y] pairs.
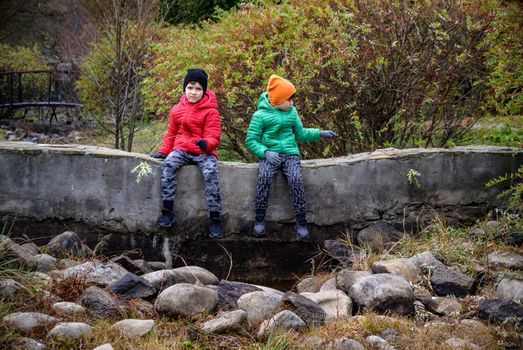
{"points": [[514, 193], [412, 177], [143, 169]]}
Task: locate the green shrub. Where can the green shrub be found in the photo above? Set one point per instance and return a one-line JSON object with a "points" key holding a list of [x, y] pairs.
{"points": [[379, 72], [20, 58], [504, 58]]}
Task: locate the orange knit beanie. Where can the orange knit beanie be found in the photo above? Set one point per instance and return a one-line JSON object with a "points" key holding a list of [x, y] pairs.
{"points": [[279, 90]]}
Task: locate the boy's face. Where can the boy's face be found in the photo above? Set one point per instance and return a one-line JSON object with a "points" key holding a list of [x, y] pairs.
{"points": [[285, 105], [194, 92]]}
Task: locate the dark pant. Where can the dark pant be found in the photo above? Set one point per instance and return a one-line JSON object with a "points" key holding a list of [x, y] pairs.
{"points": [[207, 163], [291, 167]]}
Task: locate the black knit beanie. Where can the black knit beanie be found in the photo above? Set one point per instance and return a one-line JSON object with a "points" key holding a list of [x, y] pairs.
{"points": [[198, 75]]}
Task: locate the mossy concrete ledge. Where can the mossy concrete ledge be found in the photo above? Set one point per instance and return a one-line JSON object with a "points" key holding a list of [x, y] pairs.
{"points": [[94, 186]]}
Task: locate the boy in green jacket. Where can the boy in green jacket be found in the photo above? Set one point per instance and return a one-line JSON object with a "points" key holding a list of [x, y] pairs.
{"points": [[272, 135]]}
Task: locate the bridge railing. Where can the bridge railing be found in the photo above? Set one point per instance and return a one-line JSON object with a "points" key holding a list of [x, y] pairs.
{"points": [[38, 88]]}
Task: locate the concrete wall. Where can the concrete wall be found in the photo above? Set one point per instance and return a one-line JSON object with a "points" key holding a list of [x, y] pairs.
{"points": [[94, 186]]}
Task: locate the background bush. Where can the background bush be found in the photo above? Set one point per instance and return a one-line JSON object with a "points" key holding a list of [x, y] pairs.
{"points": [[379, 72]]}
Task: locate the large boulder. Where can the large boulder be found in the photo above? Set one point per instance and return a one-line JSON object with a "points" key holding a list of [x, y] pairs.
{"points": [[196, 275], [499, 311], [402, 267], [227, 322], [259, 306], [505, 259], [132, 286], [67, 309], [132, 328], [229, 292], [162, 279], [186, 299], [67, 243], [16, 256], [64, 331], [138, 267], [446, 281], [444, 306], [310, 312], [99, 302], [284, 320], [27, 322], [345, 279], [45, 263], [335, 303], [384, 293], [378, 236], [511, 289], [341, 252], [12, 290], [96, 272]]}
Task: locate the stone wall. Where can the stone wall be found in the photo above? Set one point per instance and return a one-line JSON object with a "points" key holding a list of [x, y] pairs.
{"points": [[94, 186]]}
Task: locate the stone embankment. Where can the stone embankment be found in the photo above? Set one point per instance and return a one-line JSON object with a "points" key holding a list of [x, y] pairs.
{"points": [[420, 287]]}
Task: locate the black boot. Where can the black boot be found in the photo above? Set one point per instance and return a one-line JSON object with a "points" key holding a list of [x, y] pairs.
{"points": [[259, 224], [215, 231], [167, 218], [302, 232]]}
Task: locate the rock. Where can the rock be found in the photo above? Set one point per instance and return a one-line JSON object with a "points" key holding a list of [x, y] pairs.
{"points": [[32, 249], [314, 342], [441, 305], [472, 323], [335, 303], [132, 286], [45, 263], [426, 259], [310, 312], [186, 300], [27, 322], [157, 265], [227, 322], [99, 302], [104, 347], [514, 238], [376, 342], [144, 266], [499, 260], [131, 265], [402, 267], [65, 308], [308, 284], [132, 328], [16, 256], [162, 279], [493, 224], [341, 252], [510, 289], [67, 263], [86, 251], [28, 344], [330, 284], [268, 290], [230, 292], [40, 279], [12, 290], [378, 236], [445, 282], [345, 279], [67, 243], [499, 311], [259, 306], [70, 330], [193, 274], [284, 320], [458, 343], [390, 335], [344, 344], [384, 293], [97, 273]]}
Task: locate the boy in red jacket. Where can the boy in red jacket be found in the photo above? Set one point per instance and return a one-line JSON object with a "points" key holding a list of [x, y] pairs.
{"points": [[192, 137]]}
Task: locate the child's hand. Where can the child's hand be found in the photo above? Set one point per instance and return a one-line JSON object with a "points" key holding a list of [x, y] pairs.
{"points": [[273, 158], [327, 134], [202, 144], [159, 155]]}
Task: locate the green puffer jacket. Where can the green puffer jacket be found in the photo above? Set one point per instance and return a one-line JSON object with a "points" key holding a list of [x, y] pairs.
{"points": [[273, 129]]}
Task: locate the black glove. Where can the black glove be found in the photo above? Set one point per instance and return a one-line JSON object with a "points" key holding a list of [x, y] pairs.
{"points": [[159, 155], [327, 134], [202, 144]]}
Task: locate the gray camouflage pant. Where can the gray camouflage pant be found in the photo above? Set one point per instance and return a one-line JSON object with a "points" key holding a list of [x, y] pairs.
{"points": [[291, 167], [207, 163]]}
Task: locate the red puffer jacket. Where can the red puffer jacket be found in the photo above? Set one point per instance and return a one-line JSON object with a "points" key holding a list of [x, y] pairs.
{"points": [[189, 122]]}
